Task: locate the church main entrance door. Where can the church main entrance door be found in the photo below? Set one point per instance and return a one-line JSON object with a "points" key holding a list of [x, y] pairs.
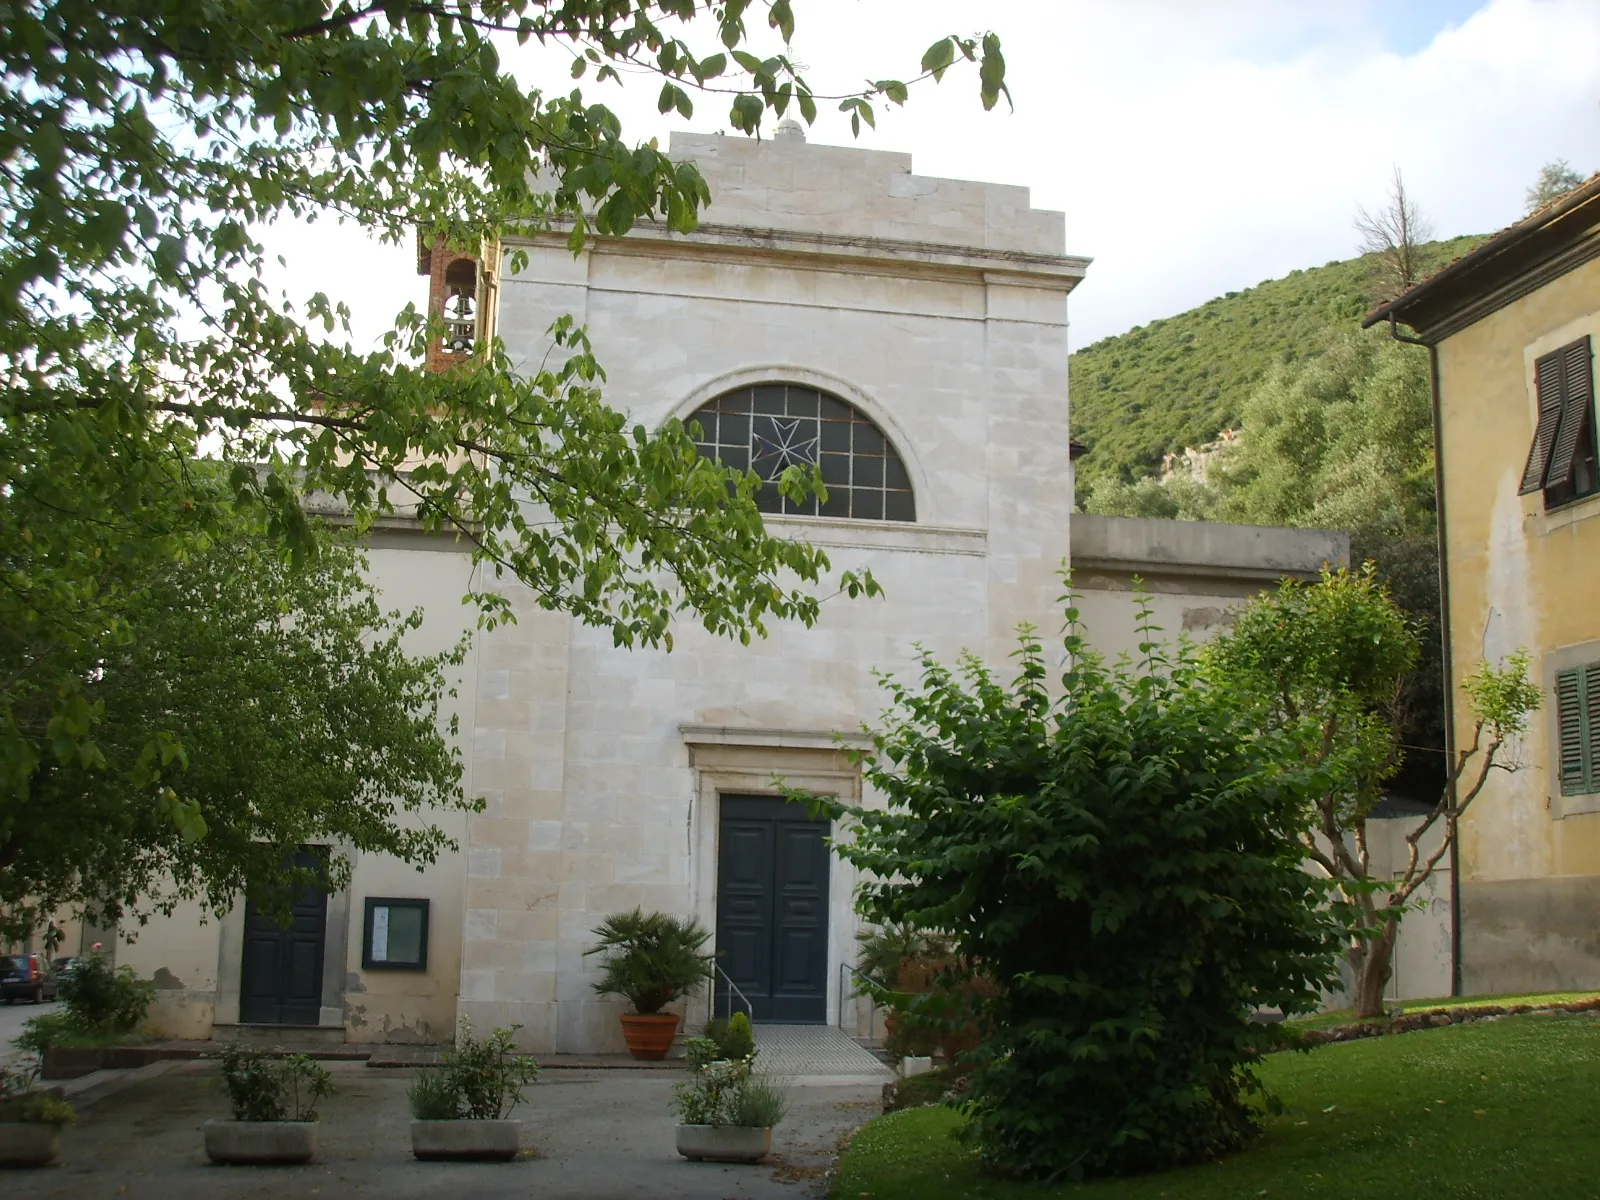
{"points": [[772, 909], [281, 976]]}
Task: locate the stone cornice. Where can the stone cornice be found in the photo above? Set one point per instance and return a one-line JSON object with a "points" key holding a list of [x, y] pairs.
{"points": [[788, 739], [741, 243]]}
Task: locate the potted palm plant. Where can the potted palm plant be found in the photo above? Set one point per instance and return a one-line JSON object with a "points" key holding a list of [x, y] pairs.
{"points": [[274, 1108], [650, 959], [30, 1119], [726, 1111], [462, 1108]]}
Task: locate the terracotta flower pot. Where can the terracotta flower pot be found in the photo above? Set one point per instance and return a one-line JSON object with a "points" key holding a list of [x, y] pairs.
{"points": [[650, 1037]]}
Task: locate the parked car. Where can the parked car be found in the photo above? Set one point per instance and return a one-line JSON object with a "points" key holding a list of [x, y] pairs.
{"points": [[26, 976]]}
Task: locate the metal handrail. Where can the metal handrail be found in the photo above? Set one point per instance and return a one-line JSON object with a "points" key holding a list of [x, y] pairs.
{"points": [[733, 990]]}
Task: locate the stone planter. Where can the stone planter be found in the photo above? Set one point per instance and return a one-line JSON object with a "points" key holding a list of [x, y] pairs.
{"points": [[724, 1143], [261, 1142], [466, 1141], [27, 1144], [649, 1038]]}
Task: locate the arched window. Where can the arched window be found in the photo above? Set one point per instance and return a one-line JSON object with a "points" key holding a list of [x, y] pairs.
{"points": [[461, 305], [771, 426]]}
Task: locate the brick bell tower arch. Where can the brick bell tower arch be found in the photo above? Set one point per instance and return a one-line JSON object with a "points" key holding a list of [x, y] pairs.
{"points": [[463, 291]]}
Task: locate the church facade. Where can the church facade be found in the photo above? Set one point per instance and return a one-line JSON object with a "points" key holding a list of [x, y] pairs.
{"points": [[907, 334]]}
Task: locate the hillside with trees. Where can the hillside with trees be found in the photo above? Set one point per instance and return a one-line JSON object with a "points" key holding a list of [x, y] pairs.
{"points": [[1179, 381], [1334, 428]]}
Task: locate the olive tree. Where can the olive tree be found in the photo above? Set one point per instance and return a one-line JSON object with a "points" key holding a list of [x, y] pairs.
{"points": [[1329, 660]]}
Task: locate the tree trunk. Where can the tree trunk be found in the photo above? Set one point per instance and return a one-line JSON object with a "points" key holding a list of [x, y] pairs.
{"points": [[1373, 968]]}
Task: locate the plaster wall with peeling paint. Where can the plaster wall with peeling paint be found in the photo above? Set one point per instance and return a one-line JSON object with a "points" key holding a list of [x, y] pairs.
{"points": [[1521, 577], [194, 956]]}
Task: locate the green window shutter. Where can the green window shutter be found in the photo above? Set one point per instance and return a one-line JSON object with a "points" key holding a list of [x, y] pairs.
{"points": [[1577, 399], [1591, 728], [1547, 372], [1572, 729]]}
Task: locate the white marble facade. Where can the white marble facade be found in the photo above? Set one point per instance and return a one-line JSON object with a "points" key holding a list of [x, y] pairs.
{"points": [[936, 307], [939, 309]]}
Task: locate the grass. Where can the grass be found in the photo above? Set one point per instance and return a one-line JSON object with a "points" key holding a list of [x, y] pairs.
{"points": [[1494, 1109], [1343, 1016]]}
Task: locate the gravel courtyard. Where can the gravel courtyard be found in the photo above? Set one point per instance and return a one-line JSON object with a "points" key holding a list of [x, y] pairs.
{"points": [[587, 1134]]}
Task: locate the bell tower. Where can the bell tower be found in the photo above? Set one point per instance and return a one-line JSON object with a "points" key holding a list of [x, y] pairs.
{"points": [[462, 290]]}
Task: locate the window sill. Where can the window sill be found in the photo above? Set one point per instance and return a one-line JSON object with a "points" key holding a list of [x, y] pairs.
{"points": [[1569, 513], [1574, 806], [880, 535]]}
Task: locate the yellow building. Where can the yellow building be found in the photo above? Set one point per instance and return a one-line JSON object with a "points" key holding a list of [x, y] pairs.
{"points": [[1512, 328]]}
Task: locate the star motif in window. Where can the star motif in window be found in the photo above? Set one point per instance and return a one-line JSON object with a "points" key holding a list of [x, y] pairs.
{"points": [[787, 445]]}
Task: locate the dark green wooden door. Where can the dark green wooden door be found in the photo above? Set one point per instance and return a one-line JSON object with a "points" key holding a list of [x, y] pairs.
{"points": [[772, 909], [280, 979]]}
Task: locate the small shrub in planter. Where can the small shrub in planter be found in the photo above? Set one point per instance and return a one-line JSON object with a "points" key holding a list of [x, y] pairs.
{"points": [[733, 1036], [274, 1107], [30, 1119], [462, 1108], [103, 1008], [100, 998], [726, 1111], [650, 959]]}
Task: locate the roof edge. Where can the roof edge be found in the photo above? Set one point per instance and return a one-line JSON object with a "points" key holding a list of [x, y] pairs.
{"points": [[1504, 242]]}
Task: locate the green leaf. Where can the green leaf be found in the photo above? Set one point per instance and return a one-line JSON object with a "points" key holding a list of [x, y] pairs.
{"points": [[939, 56], [781, 18], [992, 72]]}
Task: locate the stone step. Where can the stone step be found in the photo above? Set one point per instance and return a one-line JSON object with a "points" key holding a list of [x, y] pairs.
{"points": [[300, 1037]]}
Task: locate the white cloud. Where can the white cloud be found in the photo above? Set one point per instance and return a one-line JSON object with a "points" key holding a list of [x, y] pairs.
{"points": [[1195, 148]]}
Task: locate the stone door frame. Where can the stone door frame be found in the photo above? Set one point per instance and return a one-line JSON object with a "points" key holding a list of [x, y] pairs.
{"points": [[748, 762]]}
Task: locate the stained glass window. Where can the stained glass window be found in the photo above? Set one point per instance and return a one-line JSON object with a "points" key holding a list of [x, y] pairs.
{"points": [[771, 426]]}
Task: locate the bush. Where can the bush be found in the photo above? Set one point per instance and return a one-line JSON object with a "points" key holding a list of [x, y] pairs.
{"points": [[927, 990], [940, 1085], [882, 952], [481, 1079], [103, 1007], [100, 999], [434, 1096], [264, 1087], [22, 1100], [726, 1092], [651, 958], [734, 1037], [1123, 856], [42, 1032], [760, 1103]]}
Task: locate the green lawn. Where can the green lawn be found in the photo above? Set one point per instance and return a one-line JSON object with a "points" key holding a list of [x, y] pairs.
{"points": [[1342, 1016], [1504, 1108]]}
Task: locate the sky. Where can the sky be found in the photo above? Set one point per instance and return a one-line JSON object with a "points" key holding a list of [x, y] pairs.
{"points": [[1196, 147]]}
